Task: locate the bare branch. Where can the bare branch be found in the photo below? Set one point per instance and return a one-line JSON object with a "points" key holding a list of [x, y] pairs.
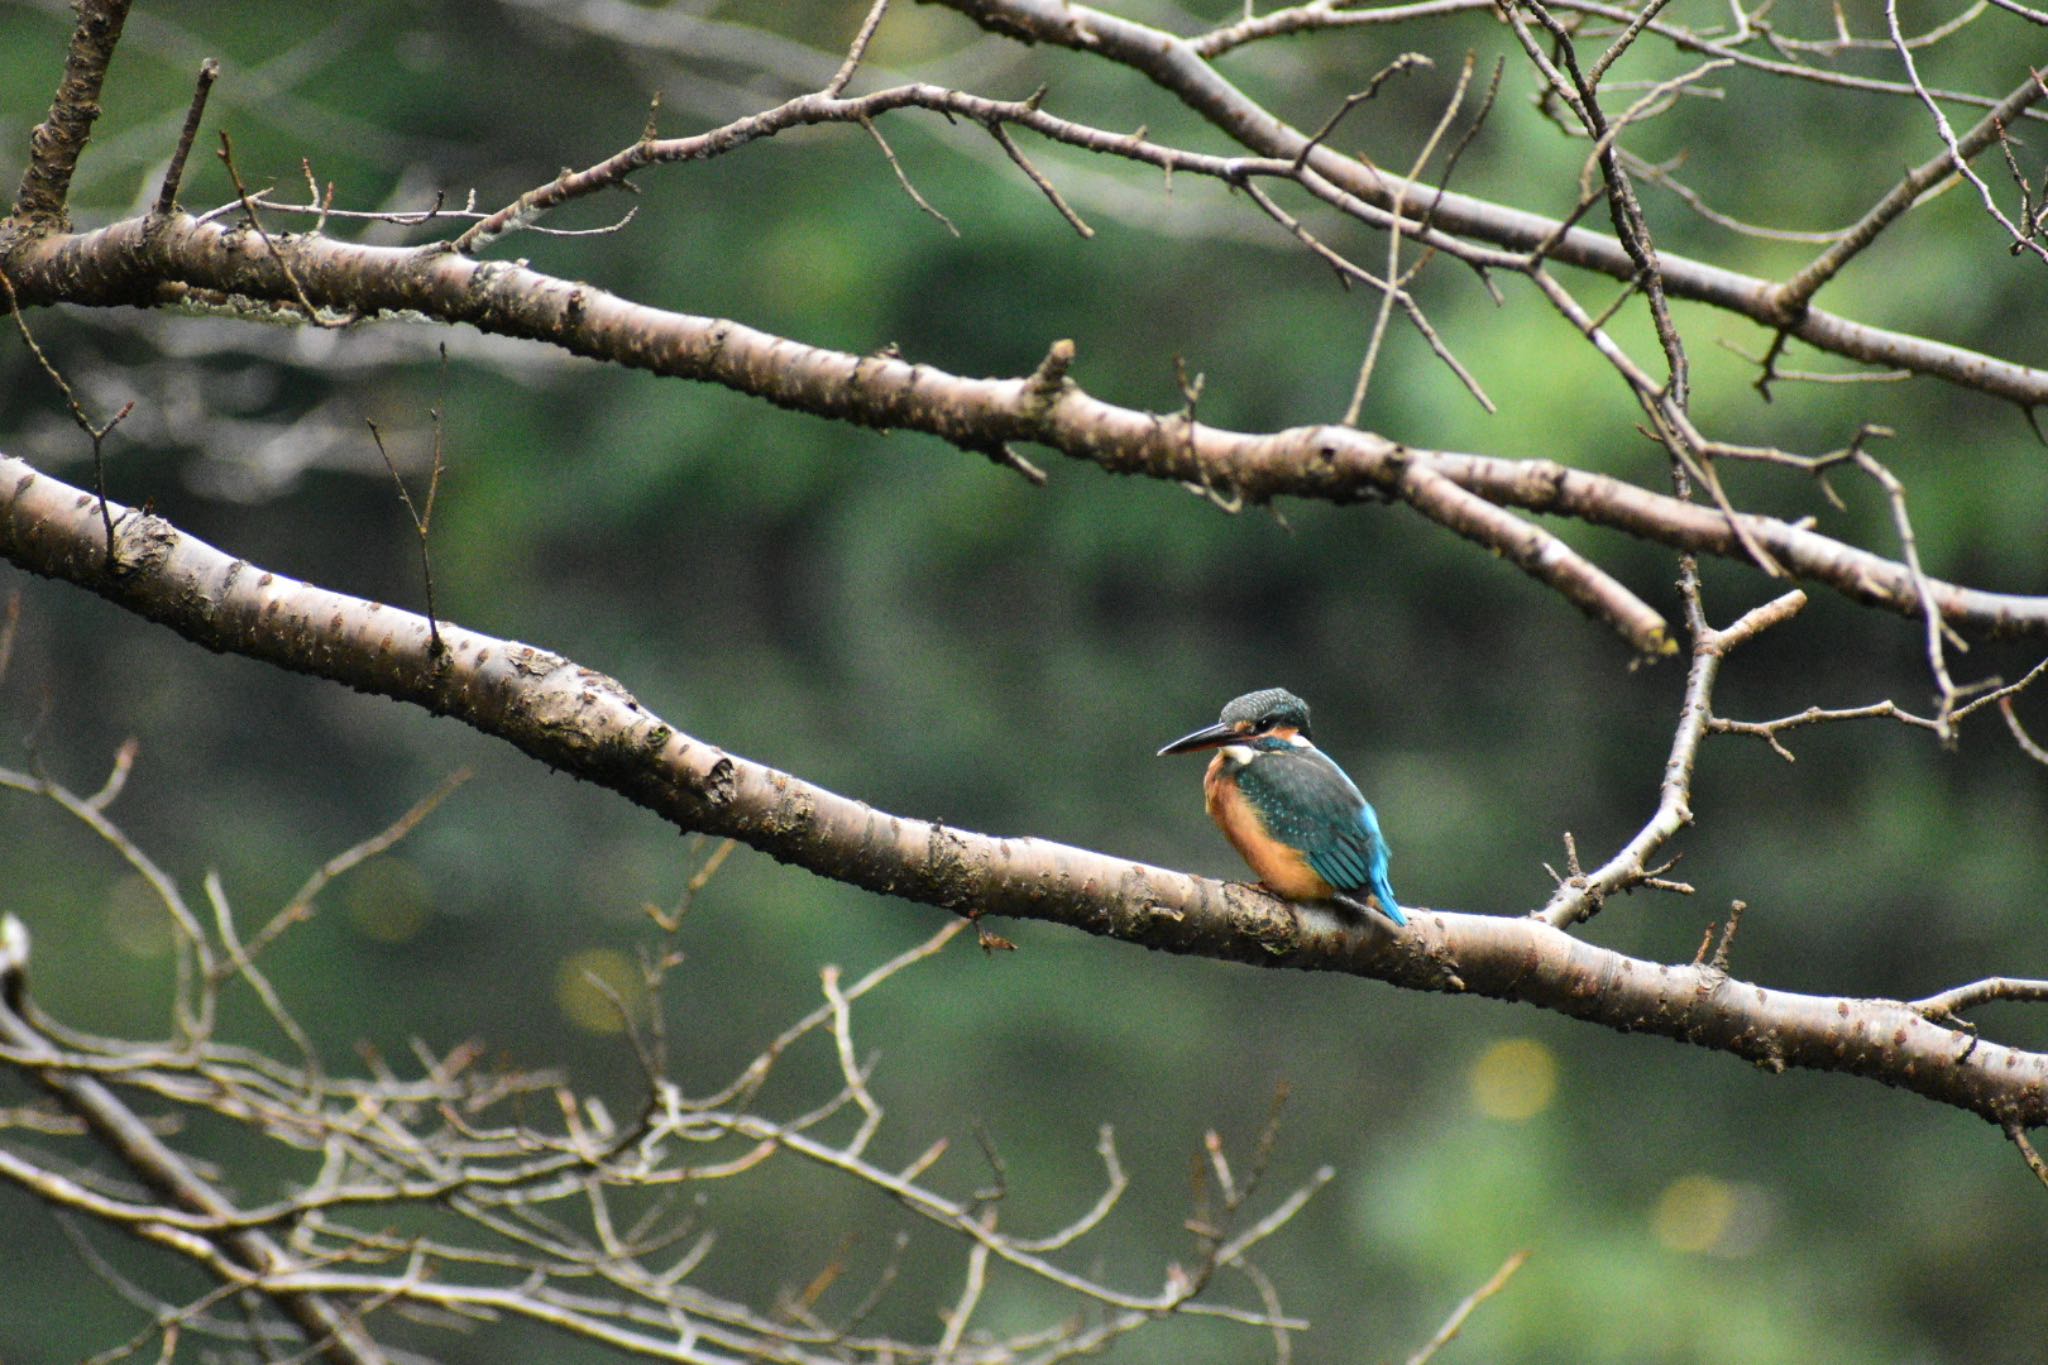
{"points": [[858, 49], [96, 432], [1581, 897], [58, 140], [2028, 745], [1951, 1003], [1958, 154], [1456, 1322], [584, 723], [1181, 67], [903, 178], [1792, 297], [2018, 1136], [167, 192], [332, 1334], [1037, 177]]}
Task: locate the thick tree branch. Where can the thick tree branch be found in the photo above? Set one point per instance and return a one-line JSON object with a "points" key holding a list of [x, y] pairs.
{"points": [[58, 140], [151, 261], [586, 724]]}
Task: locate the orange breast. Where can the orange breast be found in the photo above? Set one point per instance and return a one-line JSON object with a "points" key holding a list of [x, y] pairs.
{"points": [[1284, 870]]}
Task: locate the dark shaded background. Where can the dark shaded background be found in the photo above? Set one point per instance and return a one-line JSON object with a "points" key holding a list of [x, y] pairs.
{"points": [[920, 629]]}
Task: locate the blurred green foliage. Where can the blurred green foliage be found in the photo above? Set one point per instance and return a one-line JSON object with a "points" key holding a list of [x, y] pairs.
{"points": [[923, 630]]}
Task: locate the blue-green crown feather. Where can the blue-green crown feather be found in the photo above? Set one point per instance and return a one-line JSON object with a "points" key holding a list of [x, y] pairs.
{"points": [[1263, 710]]}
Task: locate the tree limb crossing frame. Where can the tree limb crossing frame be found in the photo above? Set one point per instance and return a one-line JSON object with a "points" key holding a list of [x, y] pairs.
{"points": [[587, 724]]}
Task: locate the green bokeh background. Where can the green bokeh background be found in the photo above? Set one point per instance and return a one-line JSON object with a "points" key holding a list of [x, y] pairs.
{"points": [[915, 627]]}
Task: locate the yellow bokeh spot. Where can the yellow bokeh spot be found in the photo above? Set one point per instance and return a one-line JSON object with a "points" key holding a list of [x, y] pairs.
{"points": [[387, 900], [1693, 1213], [1515, 1079], [592, 1007]]}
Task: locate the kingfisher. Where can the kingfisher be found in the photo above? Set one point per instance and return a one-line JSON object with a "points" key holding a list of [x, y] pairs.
{"points": [[1288, 808]]}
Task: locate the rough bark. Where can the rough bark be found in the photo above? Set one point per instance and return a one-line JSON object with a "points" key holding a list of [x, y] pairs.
{"points": [[585, 723]]}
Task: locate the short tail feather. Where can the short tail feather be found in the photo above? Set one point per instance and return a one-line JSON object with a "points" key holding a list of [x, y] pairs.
{"points": [[1382, 900], [1384, 894]]}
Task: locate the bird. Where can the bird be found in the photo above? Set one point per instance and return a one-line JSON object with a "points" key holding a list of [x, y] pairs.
{"points": [[1288, 808]]}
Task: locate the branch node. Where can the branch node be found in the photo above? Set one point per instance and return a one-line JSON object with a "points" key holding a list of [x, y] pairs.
{"points": [[1051, 374]]}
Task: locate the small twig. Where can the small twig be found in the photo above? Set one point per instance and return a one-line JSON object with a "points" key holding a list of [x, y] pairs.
{"points": [[227, 156], [1465, 140], [903, 178], [996, 1193], [323, 200], [1960, 155], [1004, 454], [1407, 61], [1456, 1322], [1113, 1189], [850, 1071], [1630, 227], [1229, 503], [1999, 695], [117, 776], [237, 962], [1394, 238], [300, 905], [1772, 373], [1347, 271], [1624, 41], [858, 50], [1769, 730], [1937, 630], [1951, 1003], [10, 622], [2031, 747], [2027, 1152], [1045, 186], [1792, 297], [167, 196], [671, 920], [423, 521], [1582, 897], [1720, 959], [1662, 177], [96, 433], [970, 1293]]}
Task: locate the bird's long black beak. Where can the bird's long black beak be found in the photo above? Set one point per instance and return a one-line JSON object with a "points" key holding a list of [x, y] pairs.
{"points": [[1209, 737]]}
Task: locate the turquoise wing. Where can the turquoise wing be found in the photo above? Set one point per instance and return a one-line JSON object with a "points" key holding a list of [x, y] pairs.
{"points": [[1308, 803]]}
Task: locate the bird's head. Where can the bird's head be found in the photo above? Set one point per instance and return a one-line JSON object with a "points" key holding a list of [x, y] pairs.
{"points": [[1272, 719]]}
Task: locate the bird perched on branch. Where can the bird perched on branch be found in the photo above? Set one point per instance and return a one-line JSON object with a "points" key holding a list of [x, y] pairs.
{"points": [[1291, 811]]}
